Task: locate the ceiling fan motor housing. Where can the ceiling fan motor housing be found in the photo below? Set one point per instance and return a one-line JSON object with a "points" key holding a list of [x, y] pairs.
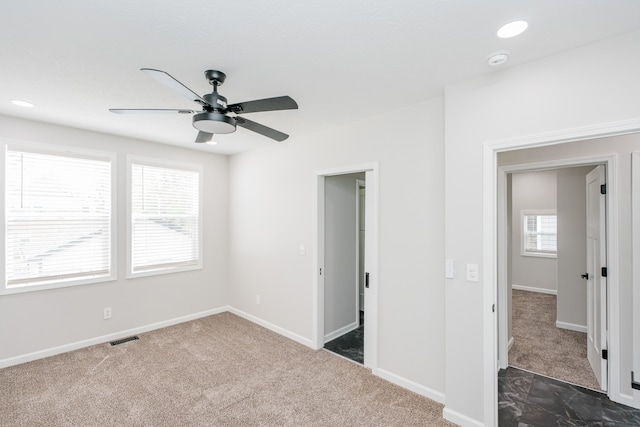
{"points": [[217, 101]]}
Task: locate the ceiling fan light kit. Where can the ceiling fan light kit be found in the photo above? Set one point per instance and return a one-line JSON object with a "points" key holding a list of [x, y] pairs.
{"points": [[215, 117], [214, 122]]}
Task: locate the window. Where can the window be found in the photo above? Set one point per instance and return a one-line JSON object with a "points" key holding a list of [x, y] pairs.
{"points": [[540, 235], [165, 228], [58, 221]]}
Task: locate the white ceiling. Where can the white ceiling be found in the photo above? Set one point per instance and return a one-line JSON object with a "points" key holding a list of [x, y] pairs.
{"points": [[340, 60]]}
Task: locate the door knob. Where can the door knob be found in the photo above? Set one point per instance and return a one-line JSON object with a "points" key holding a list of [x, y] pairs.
{"points": [[585, 276]]}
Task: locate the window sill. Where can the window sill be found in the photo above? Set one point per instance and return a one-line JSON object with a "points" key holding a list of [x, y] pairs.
{"points": [[19, 289]]}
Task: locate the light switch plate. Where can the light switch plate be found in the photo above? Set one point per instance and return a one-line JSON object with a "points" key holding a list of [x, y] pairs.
{"points": [[472, 272], [448, 269]]}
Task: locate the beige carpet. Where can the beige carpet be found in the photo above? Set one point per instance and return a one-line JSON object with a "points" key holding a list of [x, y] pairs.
{"points": [[542, 348], [217, 371]]}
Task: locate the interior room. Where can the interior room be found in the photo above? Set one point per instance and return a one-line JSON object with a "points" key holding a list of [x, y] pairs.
{"points": [[222, 183]]}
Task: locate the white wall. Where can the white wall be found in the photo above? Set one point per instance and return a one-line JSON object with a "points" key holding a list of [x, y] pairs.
{"points": [[592, 85], [341, 262], [532, 191], [272, 210], [38, 321]]}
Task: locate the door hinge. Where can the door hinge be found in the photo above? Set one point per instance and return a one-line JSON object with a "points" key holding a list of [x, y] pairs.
{"points": [[321, 272], [604, 271], [493, 308], [634, 385], [603, 189], [366, 280], [605, 354]]}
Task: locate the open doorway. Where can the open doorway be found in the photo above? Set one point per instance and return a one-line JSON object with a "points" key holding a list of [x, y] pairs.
{"points": [[552, 312], [610, 145], [345, 289], [344, 236]]}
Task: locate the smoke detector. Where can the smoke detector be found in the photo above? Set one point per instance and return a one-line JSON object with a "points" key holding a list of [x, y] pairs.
{"points": [[497, 58]]}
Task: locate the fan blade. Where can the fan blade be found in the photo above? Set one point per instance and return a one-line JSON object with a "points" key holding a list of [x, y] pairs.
{"points": [[204, 136], [268, 104], [261, 129], [172, 83], [149, 110]]}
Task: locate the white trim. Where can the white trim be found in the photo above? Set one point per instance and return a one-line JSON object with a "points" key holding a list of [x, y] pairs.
{"points": [[490, 150], [461, 419], [411, 385], [635, 226], [340, 332], [571, 326], [490, 292], [40, 354], [371, 299], [277, 329], [534, 289], [510, 344]]}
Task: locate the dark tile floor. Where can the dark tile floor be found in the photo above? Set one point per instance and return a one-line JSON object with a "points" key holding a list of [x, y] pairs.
{"points": [[530, 400], [351, 344]]}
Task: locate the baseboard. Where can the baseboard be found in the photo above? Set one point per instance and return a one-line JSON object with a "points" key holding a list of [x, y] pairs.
{"points": [[460, 419], [571, 326], [277, 329], [510, 343], [340, 332], [106, 338], [534, 289], [410, 385]]}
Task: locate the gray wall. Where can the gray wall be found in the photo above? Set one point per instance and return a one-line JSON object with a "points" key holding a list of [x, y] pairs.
{"points": [[532, 191], [341, 263], [272, 213], [572, 241]]}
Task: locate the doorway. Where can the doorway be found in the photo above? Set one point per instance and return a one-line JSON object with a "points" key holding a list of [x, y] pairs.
{"points": [[334, 315], [344, 236], [548, 293]]}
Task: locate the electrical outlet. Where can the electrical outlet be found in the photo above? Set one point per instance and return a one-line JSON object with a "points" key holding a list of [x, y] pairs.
{"points": [[258, 299], [107, 313]]}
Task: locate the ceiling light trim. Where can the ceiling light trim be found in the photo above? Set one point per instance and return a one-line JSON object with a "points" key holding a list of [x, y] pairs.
{"points": [[512, 29]]}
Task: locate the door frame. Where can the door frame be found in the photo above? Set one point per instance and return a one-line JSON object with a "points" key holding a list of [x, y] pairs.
{"points": [[360, 183], [490, 251], [371, 258], [635, 249]]}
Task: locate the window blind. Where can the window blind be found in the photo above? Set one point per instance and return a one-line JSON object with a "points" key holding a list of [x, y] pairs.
{"points": [[165, 217], [58, 217], [541, 233]]}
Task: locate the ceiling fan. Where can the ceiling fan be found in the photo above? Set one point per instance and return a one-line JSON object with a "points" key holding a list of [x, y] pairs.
{"points": [[217, 116]]}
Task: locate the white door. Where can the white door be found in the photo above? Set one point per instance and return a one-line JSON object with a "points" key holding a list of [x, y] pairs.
{"points": [[596, 281]]}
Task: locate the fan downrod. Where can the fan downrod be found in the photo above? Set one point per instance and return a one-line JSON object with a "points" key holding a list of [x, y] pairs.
{"points": [[215, 77]]}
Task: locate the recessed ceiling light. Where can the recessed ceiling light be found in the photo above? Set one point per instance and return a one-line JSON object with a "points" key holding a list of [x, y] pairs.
{"points": [[497, 58], [212, 143], [512, 29], [22, 103]]}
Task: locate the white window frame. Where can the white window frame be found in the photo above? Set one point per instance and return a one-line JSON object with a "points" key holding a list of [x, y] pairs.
{"points": [[523, 233], [130, 274], [68, 151]]}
